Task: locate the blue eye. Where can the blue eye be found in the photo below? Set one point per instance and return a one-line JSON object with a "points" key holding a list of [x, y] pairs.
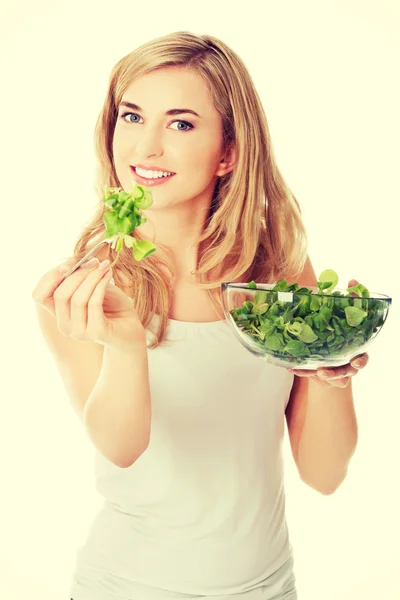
{"points": [[186, 123], [125, 114]]}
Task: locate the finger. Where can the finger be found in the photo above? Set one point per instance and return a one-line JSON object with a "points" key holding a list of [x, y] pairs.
{"points": [[360, 361], [330, 372], [352, 283], [81, 298], [303, 372], [63, 294], [43, 292], [337, 373], [340, 375], [327, 373], [340, 383], [96, 319]]}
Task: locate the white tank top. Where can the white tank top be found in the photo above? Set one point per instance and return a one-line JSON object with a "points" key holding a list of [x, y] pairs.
{"points": [[202, 511]]}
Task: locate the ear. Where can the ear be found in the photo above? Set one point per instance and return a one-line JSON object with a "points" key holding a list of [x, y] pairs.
{"points": [[228, 162]]}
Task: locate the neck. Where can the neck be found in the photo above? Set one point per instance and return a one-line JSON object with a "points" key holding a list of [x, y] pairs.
{"points": [[177, 228]]}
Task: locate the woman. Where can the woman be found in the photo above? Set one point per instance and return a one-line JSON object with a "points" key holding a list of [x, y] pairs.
{"points": [[188, 426]]}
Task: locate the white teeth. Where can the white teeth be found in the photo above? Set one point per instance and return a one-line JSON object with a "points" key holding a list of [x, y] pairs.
{"points": [[152, 174]]}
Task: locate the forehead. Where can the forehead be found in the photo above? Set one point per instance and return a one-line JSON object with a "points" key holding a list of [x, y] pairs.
{"points": [[169, 88]]}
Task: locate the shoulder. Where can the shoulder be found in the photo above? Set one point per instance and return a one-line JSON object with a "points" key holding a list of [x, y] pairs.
{"points": [[307, 278]]}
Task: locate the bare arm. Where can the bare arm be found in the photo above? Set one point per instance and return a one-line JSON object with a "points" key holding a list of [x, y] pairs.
{"points": [[78, 363], [108, 388], [117, 414], [323, 432]]}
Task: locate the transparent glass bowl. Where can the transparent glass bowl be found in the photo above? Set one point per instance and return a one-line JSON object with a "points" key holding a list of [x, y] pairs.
{"points": [[283, 327]]}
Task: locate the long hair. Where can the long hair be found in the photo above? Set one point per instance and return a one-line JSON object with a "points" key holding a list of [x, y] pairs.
{"points": [[254, 228]]}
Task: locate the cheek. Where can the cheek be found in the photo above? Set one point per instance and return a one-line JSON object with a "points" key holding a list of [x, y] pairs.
{"points": [[121, 143], [117, 146], [121, 157], [115, 154], [199, 149], [201, 164]]}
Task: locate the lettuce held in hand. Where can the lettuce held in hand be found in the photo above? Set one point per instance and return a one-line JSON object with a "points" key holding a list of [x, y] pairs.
{"points": [[124, 216], [309, 325]]}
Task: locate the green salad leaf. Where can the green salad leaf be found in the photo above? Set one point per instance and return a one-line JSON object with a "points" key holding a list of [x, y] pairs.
{"points": [[123, 216], [311, 325]]}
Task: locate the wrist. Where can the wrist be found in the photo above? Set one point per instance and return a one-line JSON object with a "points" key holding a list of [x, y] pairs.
{"points": [[319, 383], [135, 349]]}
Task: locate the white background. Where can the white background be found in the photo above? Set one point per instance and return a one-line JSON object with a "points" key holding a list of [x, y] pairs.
{"points": [[326, 73]]}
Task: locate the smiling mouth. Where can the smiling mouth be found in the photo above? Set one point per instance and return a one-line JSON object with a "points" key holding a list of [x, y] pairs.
{"points": [[133, 167]]}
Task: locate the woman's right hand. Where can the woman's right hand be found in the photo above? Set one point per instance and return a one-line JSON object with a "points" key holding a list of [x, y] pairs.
{"points": [[88, 309]]}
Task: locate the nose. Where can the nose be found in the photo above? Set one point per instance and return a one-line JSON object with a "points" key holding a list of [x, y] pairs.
{"points": [[148, 143]]}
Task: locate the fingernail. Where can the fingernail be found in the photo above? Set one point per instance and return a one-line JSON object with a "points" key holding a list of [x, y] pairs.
{"points": [[90, 263], [358, 363], [323, 374], [104, 264]]}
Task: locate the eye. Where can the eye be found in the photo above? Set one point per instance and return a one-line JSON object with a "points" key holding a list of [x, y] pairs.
{"points": [[186, 123], [189, 125], [126, 114]]}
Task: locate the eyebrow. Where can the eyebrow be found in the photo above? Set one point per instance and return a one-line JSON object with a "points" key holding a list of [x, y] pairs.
{"points": [[172, 111]]}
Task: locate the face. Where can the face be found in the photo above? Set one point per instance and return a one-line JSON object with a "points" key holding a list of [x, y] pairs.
{"points": [[188, 145]]}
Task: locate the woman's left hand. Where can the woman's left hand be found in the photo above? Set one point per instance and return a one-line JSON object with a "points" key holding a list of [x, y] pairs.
{"points": [[336, 376]]}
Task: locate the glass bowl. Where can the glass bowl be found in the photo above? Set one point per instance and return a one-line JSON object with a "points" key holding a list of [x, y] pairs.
{"points": [[303, 330]]}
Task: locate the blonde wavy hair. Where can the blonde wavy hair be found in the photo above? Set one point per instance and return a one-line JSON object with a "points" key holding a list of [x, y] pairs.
{"points": [[254, 228]]}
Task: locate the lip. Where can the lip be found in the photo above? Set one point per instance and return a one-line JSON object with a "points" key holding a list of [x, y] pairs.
{"points": [[152, 168], [150, 182]]}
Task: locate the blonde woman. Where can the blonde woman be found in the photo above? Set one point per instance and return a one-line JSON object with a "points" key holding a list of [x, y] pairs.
{"points": [[187, 425]]}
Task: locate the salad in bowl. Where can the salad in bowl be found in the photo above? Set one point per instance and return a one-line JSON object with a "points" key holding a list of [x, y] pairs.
{"points": [[307, 327]]}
